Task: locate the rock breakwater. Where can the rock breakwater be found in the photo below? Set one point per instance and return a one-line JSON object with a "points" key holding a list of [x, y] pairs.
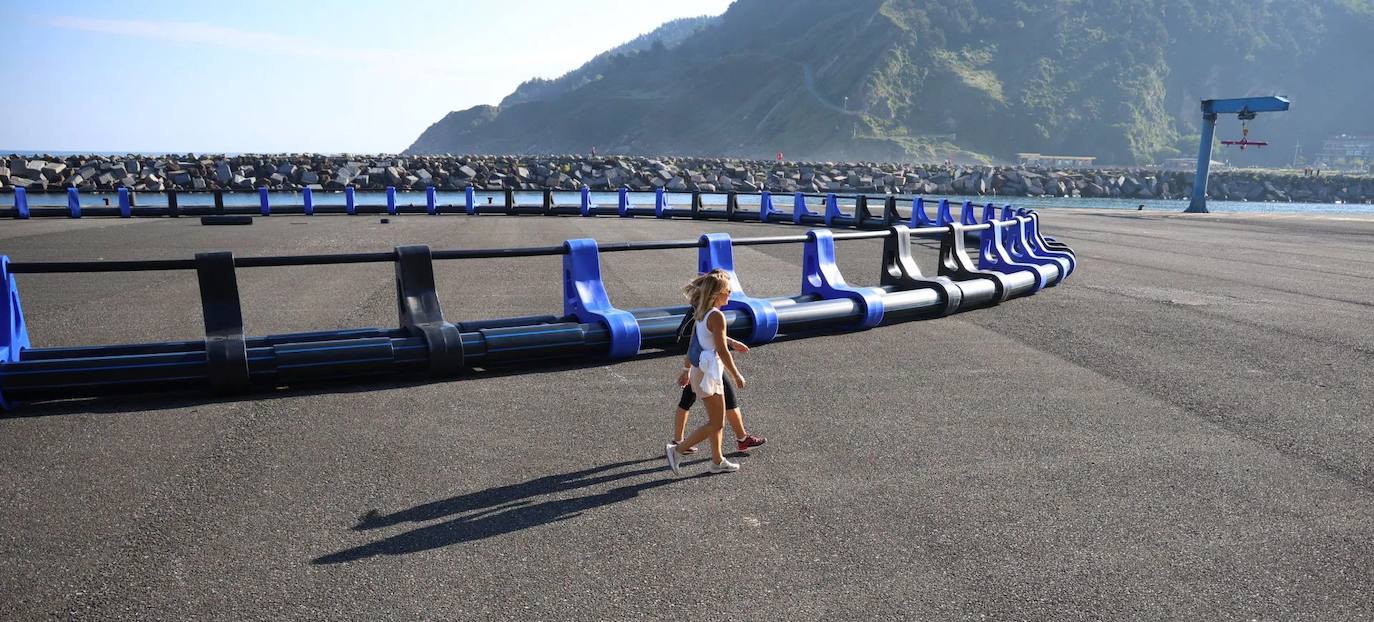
{"points": [[293, 172]]}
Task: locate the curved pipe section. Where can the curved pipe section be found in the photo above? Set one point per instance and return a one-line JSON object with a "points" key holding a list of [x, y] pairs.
{"points": [[1013, 260]]}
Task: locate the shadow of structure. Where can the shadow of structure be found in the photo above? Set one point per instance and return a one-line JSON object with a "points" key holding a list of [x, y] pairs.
{"points": [[497, 511]]}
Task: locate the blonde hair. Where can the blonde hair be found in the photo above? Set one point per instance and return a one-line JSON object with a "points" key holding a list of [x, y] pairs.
{"points": [[701, 292]]}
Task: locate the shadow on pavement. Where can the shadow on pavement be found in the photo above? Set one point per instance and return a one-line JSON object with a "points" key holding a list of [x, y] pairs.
{"points": [[497, 511]]}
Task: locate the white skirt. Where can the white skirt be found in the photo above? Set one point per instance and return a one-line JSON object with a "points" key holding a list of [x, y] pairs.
{"points": [[709, 377]]}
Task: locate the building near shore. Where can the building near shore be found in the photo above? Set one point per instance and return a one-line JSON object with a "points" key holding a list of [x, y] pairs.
{"points": [[1346, 151], [1056, 161]]}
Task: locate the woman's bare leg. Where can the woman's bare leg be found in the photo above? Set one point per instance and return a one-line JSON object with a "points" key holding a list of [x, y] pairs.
{"points": [[712, 429]]}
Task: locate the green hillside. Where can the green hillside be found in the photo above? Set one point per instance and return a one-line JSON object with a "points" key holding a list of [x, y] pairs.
{"points": [[925, 80]]}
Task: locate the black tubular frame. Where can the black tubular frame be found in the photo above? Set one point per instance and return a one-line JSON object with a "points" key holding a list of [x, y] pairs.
{"points": [[146, 265]]}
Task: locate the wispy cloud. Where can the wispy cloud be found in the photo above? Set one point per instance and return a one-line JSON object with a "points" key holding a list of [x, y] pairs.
{"points": [[412, 62]]}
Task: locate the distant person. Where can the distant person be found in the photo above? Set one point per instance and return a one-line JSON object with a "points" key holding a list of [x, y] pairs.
{"points": [[707, 294], [779, 157], [744, 441]]}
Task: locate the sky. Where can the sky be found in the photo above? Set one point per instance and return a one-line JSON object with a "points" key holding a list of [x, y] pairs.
{"points": [[284, 76]]}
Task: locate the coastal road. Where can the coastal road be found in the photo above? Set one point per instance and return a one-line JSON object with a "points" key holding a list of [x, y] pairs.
{"points": [[1181, 431]]}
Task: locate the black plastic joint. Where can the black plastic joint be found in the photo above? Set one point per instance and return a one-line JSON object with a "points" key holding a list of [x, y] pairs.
{"points": [[417, 305], [901, 272], [955, 264], [226, 353]]}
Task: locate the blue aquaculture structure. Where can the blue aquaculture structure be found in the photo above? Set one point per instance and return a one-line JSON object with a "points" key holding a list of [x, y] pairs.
{"points": [[1245, 109], [1013, 259]]}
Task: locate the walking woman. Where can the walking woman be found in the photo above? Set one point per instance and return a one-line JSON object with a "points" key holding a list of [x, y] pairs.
{"points": [[706, 294]]}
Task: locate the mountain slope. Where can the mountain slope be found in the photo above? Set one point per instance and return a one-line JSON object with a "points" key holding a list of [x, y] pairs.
{"points": [[910, 79]]}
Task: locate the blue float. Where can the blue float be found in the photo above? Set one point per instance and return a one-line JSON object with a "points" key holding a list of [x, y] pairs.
{"points": [[989, 212], [21, 203], [765, 206], [1020, 250], [585, 206], [717, 253], [308, 199], [391, 200], [832, 209], [126, 209], [993, 255], [821, 277], [264, 207], [14, 333], [660, 203], [919, 218], [431, 201], [1038, 242], [622, 202], [73, 203], [584, 298], [943, 216]]}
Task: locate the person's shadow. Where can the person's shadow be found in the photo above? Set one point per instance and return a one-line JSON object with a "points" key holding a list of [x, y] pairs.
{"points": [[496, 511]]}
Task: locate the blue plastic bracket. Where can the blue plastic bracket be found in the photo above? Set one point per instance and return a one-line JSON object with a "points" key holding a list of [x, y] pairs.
{"points": [[584, 297], [391, 200], [1020, 250], [73, 203], [469, 200], [919, 218], [21, 203], [993, 255], [308, 198], [822, 277], [798, 208], [1038, 241], [1029, 239], [126, 209], [623, 202], [350, 206], [14, 334], [832, 209], [765, 206], [431, 200], [585, 207], [966, 215], [264, 207], [989, 212], [717, 252], [942, 215], [1008, 212], [660, 203]]}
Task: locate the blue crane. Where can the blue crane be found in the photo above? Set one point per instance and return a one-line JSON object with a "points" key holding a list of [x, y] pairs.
{"points": [[1245, 109]]}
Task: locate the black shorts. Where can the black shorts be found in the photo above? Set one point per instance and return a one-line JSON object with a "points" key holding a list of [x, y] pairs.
{"points": [[689, 397]]}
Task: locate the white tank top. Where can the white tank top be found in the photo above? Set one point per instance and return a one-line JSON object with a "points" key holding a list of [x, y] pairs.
{"points": [[705, 338]]}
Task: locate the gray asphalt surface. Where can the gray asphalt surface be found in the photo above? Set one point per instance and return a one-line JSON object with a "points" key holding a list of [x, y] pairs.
{"points": [[1181, 431]]}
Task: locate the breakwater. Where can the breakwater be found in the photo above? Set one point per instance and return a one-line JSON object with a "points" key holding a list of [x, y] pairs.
{"points": [[571, 172]]}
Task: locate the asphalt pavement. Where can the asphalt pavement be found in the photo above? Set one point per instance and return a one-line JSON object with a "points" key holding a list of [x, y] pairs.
{"points": [[1182, 430]]}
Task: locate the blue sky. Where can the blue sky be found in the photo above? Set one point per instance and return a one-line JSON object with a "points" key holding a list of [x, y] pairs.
{"points": [[286, 76]]}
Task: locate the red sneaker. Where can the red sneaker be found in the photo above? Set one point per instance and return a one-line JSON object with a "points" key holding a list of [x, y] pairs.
{"points": [[749, 442]]}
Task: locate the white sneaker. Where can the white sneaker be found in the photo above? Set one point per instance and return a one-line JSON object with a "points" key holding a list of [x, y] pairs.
{"points": [[673, 458], [725, 466]]}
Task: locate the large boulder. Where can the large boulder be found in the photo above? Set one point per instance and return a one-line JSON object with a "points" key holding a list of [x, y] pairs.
{"points": [[221, 173]]}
